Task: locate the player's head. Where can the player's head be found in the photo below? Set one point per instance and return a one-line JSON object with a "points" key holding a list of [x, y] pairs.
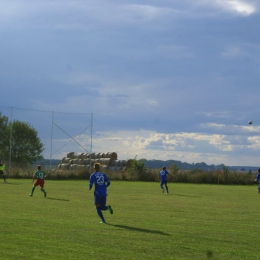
{"points": [[259, 170], [164, 168], [39, 167], [97, 166]]}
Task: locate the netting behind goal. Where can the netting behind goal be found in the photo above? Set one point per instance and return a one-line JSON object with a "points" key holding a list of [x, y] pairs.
{"points": [[59, 132]]}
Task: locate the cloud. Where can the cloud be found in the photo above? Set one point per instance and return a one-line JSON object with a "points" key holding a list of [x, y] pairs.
{"points": [[231, 52], [244, 8]]}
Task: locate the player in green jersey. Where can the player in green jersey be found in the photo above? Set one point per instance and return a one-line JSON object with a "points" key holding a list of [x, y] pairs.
{"points": [[2, 168], [39, 175]]}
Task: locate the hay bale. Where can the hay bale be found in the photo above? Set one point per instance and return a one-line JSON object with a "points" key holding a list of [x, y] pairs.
{"points": [[85, 155], [70, 155], [123, 162], [96, 160], [77, 156], [86, 161], [98, 155], [112, 162], [64, 166], [92, 161], [112, 155], [104, 167], [66, 160], [92, 155], [81, 162], [105, 161], [73, 167], [76, 161], [118, 163]]}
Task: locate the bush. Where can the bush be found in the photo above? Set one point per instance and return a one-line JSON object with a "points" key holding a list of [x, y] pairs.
{"points": [[141, 173]]}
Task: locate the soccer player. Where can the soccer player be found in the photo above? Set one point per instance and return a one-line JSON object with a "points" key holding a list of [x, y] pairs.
{"points": [[163, 179], [2, 168], [258, 179], [40, 175], [101, 182]]}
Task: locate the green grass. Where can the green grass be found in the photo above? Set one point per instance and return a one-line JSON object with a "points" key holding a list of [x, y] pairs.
{"points": [[192, 222]]}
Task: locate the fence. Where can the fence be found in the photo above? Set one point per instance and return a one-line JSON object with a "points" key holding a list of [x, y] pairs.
{"points": [[60, 132]]}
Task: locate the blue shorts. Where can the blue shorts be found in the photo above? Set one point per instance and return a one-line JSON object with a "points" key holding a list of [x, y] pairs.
{"points": [[101, 200], [163, 182]]}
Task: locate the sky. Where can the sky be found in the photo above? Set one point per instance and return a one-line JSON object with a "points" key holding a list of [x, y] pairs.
{"points": [[158, 79]]}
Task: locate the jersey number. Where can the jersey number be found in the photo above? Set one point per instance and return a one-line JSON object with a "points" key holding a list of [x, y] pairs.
{"points": [[41, 175], [100, 180]]}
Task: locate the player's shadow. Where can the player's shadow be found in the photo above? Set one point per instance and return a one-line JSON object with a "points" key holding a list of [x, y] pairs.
{"points": [[140, 229], [57, 199], [10, 183], [182, 195]]}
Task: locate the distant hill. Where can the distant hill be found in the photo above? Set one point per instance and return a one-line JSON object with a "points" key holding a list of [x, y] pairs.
{"points": [[190, 166]]}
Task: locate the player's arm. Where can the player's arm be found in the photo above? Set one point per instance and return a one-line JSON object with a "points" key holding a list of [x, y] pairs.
{"points": [[107, 183], [91, 181], [168, 173]]}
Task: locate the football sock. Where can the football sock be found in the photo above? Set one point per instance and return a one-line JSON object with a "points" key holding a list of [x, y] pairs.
{"points": [[99, 212], [43, 190], [167, 189], [33, 188]]}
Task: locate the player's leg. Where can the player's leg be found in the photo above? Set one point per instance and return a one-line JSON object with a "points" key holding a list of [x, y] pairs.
{"points": [[33, 188], [32, 191], [2, 173], [166, 187], [42, 188], [103, 206], [161, 186], [98, 201]]}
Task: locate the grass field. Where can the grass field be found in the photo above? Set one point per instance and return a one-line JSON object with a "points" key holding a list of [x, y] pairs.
{"points": [[192, 222]]}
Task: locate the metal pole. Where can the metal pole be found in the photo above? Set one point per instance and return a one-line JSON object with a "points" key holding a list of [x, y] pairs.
{"points": [[10, 141], [51, 137], [90, 142]]}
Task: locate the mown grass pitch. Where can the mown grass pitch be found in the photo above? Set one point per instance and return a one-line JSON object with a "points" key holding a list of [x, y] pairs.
{"points": [[192, 222]]}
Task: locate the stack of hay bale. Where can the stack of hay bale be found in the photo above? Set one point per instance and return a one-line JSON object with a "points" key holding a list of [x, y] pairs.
{"points": [[108, 161]]}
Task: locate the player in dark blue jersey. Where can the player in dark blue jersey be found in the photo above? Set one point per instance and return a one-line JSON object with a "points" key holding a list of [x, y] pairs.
{"points": [[101, 182], [258, 179], [163, 179]]}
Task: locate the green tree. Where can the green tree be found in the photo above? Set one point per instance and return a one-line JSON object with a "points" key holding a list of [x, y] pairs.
{"points": [[225, 169], [174, 169], [138, 169], [3, 133], [26, 147]]}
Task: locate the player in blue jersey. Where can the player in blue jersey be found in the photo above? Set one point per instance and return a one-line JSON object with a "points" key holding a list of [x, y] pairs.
{"points": [[258, 179], [163, 179], [101, 182]]}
